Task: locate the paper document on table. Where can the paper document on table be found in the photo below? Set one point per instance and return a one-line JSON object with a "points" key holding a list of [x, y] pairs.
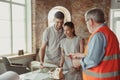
{"points": [[42, 76], [28, 77], [49, 65], [36, 76]]}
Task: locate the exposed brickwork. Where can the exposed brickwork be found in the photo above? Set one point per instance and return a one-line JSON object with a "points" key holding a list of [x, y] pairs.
{"points": [[77, 9]]}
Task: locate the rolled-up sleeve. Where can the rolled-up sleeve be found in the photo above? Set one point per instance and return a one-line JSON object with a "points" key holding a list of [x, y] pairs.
{"points": [[96, 51]]}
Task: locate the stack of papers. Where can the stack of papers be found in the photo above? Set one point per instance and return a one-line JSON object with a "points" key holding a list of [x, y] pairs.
{"points": [[36, 76], [49, 65]]}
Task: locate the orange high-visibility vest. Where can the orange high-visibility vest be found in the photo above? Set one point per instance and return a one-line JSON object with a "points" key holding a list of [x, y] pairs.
{"points": [[109, 67]]}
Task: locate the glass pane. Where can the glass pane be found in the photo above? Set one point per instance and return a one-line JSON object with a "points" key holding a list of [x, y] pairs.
{"points": [[19, 37], [4, 11], [5, 38], [117, 29], [19, 1], [18, 12]]}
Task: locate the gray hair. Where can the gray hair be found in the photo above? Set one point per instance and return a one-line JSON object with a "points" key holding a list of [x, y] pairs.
{"points": [[96, 14]]}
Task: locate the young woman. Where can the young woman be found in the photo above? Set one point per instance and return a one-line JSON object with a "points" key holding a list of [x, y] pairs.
{"points": [[70, 45]]}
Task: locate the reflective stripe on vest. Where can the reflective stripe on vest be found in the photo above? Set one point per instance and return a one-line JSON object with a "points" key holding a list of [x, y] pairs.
{"points": [[115, 56], [102, 75], [105, 75]]}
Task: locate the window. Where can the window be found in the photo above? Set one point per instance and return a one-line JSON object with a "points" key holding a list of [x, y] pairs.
{"points": [[115, 22], [15, 26]]}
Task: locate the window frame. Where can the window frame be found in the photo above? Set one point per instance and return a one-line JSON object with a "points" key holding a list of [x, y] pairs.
{"points": [[27, 24]]}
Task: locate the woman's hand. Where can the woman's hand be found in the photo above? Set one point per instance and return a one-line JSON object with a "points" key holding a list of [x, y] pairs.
{"points": [[76, 55], [76, 63], [72, 56]]}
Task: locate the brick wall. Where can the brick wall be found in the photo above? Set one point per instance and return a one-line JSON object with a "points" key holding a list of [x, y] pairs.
{"points": [[77, 9]]}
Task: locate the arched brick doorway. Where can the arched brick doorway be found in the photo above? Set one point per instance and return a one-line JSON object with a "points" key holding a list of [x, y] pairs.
{"points": [[54, 10]]}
